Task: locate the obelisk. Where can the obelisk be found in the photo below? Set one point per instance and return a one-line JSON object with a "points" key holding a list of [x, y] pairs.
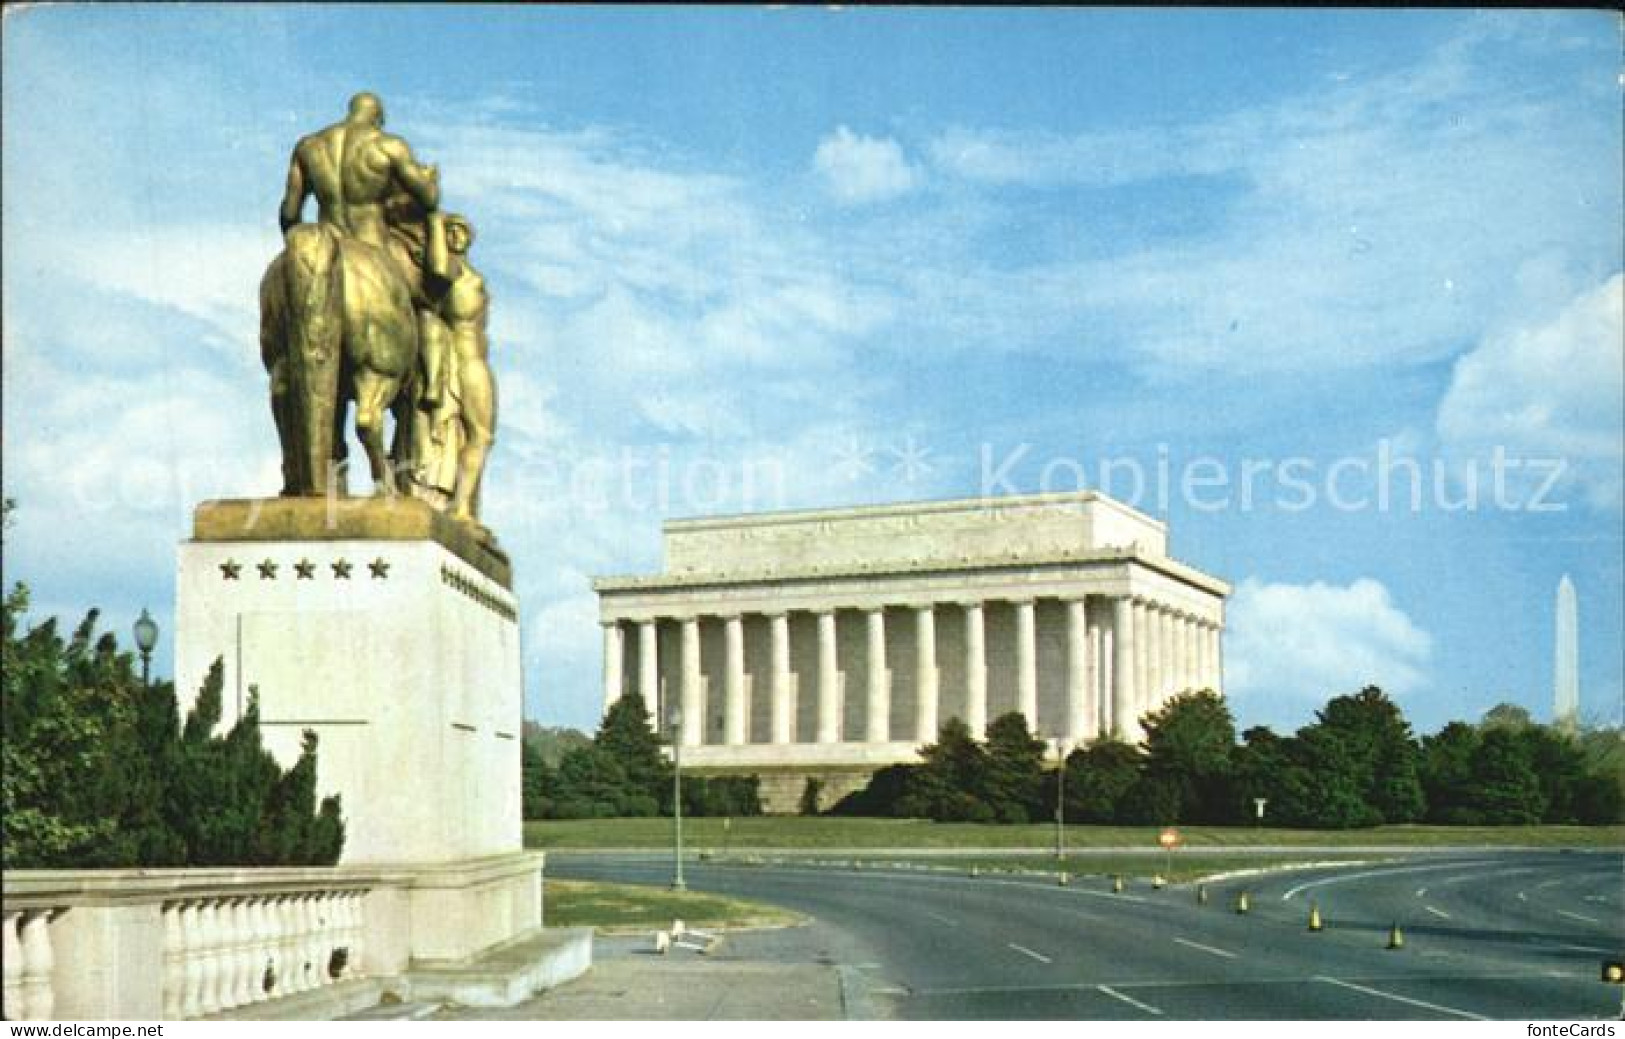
{"points": [[1566, 678]]}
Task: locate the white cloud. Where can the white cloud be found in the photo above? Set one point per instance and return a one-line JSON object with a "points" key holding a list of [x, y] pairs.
{"points": [[1375, 221], [858, 169], [1291, 646], [1548, 390]]}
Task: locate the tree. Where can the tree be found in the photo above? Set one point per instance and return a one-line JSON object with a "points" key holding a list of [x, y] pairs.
{"points": [[1448, 762], [1098, 779], [537, 782], [1013, 783], [591, 784], [1506, 715], [1507, 789], [1380, 751], [99, 771], [1325, 782], [950, 783], [552, 741], [1188, 747], [626, 735], [1601, 798]]}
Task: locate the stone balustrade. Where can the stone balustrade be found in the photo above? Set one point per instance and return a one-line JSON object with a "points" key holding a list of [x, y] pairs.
{"points": [[178, 944]]}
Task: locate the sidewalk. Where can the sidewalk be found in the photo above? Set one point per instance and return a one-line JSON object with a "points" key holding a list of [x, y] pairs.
{"points": [[669, 988]]}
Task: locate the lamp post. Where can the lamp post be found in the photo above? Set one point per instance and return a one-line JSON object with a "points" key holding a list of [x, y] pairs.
{"points": [[676, 717], [1060, 801], [146, 637]]}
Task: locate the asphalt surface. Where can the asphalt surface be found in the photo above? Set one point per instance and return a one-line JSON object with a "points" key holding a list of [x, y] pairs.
{"points": [[1503, 935]]}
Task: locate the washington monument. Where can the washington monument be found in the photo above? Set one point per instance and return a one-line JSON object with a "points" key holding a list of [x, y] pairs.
{"points": [[1566, 679]]}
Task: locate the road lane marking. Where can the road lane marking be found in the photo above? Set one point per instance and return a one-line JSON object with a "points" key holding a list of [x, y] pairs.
{"points": [[1579, 916], [1292, 893], [1583, 948], [1205, 948], [1543, 885], [1424, 1004], [1130, 1000], [1522, 897], [1440, 913], [939, 918], [1421, 891], [1464, 878], [1040, 957]]}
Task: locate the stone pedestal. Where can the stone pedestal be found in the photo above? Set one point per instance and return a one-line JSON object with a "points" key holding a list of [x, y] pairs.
{"points": [[392, 634]]}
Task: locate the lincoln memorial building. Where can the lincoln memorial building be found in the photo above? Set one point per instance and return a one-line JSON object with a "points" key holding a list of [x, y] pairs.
{"points": [[825, 644]]}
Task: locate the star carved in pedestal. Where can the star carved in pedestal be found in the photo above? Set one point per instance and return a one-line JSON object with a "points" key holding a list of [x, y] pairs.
{"points": [[379, 568], [267, 570], [230, 569], [341, 569], [305, 569]]}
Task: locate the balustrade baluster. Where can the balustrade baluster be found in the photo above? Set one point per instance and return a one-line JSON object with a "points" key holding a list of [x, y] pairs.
{"points": [[192, 960], [316, 945], [174, 961], [38, 997], [208, 920], [264, 944], [242, 940], [12, 950]]}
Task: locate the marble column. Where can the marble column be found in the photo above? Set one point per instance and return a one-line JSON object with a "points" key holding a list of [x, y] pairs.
{"points": [[1123, 667], [649, 672], [781, 716], [1027, 664], [1216, 641], [1163, 667], [689, 695], [975, 670], [925, 673], [1077, 671], [1193, 669], [1176, 655], [877, 723], [1094, 708], [829, 688], [614, 660], [733, 689], [1145, 655]]}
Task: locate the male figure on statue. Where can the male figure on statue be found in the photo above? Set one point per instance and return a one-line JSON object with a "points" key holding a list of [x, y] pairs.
{"points": [[460, 431]]}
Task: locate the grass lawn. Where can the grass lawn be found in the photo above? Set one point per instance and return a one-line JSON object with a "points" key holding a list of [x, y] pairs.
{"points": [[630, 908], [792, 832]]}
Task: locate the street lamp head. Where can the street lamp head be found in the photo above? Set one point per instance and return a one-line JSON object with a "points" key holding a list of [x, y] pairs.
{"points": [[674, 717], [146, 633]]}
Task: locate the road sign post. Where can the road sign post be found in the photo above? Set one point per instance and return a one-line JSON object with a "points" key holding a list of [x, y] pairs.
{"points": [[1169, 839]]}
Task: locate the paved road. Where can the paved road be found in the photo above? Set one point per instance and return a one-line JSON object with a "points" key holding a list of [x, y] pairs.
{"points": [[1488, 934]]}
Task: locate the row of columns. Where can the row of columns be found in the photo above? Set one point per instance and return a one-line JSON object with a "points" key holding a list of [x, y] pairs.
{"points": [[1145, 652]]}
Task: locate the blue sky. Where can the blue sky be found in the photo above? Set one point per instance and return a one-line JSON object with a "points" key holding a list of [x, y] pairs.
{"points": [[875, 255]]}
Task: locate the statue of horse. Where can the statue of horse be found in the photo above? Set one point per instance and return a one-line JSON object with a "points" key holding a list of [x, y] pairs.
{"points": [[337, 324]]}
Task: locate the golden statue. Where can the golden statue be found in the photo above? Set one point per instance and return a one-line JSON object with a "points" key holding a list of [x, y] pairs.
{"points": [[337, 316], [377, 303]]}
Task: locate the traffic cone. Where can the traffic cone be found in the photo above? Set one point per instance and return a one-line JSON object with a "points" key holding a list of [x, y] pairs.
{"points": [[1243, 903], [1396, 938], [1117, 884], [1064, 879], [975, 872], [1314, 917], [1201, 894]]}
